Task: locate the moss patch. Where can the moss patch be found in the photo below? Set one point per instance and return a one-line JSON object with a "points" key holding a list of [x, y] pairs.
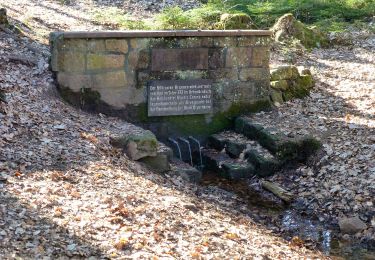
{"points": [[235, 21], [201, 125], [287, 27]]}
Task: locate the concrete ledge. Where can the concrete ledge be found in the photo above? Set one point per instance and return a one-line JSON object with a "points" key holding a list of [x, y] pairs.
{"points": [[155, 34]]}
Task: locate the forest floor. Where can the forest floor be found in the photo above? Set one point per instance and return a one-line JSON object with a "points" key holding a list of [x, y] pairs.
{"points": [[64, 191]]}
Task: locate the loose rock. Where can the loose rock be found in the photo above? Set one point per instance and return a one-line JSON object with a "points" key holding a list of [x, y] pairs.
{"points": [[351, 225]]}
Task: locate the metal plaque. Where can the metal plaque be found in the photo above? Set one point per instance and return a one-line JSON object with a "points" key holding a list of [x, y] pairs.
{"points": [[179, 59], [179, 97]]}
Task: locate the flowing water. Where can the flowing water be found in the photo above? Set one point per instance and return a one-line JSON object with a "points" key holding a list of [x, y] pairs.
{"points": [[291, 221]]}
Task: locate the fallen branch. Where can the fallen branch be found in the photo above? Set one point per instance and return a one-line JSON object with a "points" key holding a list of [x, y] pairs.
{"points": [[22, 59], [278, 191]]}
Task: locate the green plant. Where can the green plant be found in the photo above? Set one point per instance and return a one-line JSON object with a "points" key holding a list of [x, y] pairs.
{"points": [[116, 18], [174, 18]]}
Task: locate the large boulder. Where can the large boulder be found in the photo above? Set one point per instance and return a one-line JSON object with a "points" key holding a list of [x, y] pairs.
{"points": [[287, 28], [236, 21], [351, 225], [137, 145]]}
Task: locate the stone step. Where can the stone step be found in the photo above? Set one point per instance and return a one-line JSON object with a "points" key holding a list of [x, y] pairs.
{"points": [[264, 165], [235, 144], [225, 166], [297, 148], [239, 146]]}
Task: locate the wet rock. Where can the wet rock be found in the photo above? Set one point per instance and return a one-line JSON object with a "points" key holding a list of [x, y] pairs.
{"points": [[217, 141], [305, 82], [288, 28], [237, 171], [351, 225], [137, 145]]}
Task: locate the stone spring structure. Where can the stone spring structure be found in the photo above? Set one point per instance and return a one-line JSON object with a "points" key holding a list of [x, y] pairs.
{"points": [[115, 72]]}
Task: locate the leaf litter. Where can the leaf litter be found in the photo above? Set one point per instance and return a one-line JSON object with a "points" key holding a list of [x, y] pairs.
{"points": [[65, 191]]}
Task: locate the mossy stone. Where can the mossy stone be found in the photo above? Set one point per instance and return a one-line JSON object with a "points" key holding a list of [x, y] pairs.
{"points": [[305, 81], [287, 27], [309, 146], [286, 72], [282, 85], [276, 97], [137, 145], [237, 171], [236, 21], [263, 167], [298, 149]]}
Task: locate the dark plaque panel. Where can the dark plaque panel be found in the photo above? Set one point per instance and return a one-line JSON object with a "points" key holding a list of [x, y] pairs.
{"points": [[179, 59], [179, 97]]}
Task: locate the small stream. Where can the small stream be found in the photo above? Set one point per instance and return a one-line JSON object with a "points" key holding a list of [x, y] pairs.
{"points": [[291, 221]]}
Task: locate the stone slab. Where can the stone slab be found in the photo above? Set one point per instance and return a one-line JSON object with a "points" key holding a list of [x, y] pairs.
{"points": [[179, 59], [179, 97]]}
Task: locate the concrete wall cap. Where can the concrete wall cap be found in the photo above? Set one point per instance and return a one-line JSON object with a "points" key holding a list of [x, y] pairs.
{"points": [[157, 34]]}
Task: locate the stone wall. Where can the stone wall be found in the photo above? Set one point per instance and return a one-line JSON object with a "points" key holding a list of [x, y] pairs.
{"points": [[108, 72]]}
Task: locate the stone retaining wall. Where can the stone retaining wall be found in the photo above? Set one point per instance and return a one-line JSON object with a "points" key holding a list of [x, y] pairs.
{"points": [[109, 72]]}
